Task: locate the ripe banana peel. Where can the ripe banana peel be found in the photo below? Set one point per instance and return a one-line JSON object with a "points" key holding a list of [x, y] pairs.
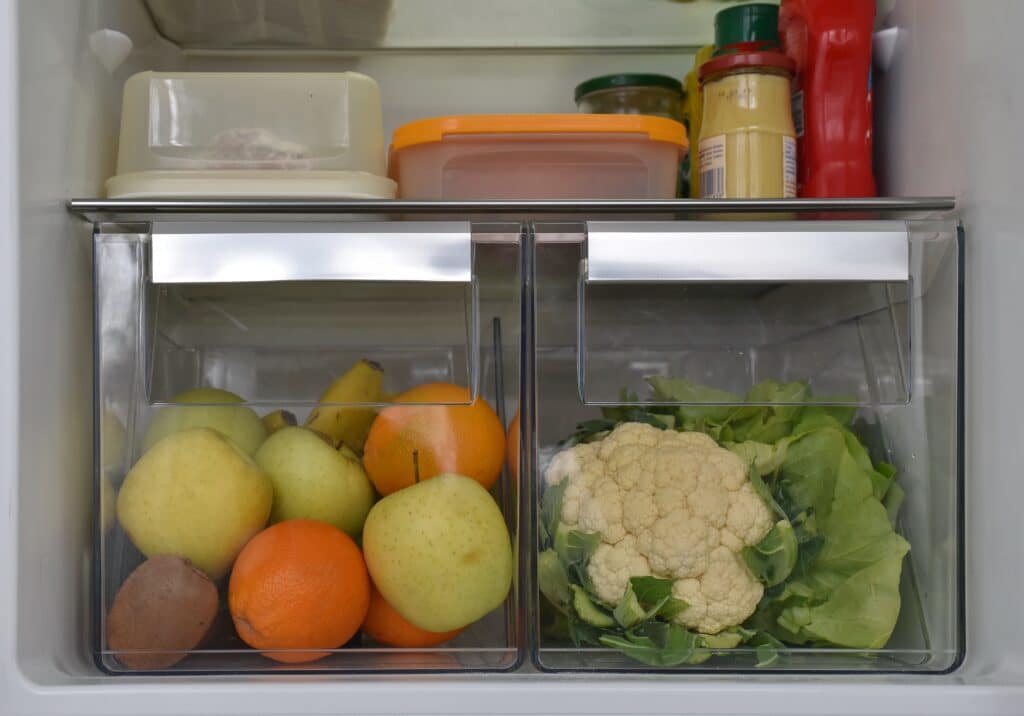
{"points": [[349, 425]]}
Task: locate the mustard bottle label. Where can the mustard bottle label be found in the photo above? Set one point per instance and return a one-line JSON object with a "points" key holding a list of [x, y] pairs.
{"points": [[788, 167], [712, 167]]}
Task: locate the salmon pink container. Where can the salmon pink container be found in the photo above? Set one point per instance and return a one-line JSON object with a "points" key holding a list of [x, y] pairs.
{"points": [[538, 156]]}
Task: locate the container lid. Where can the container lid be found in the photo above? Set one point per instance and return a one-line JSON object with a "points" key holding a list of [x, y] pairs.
{"points": [[606, 82], [251, 184], [768, 59], [425, 131], [756, 22]]}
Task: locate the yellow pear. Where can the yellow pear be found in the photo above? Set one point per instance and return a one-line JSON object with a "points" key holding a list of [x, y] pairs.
{"points": [[237, 422], [195, 494], [314, 481], [439, 552]]}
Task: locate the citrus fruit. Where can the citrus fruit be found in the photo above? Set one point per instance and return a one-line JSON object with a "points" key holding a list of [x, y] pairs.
{"points": [[300, 584], [410, 443], [385, 625], [512, 440]]}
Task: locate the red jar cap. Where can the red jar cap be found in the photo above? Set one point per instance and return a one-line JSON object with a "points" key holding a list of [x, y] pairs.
{"points": [[738, 60]]}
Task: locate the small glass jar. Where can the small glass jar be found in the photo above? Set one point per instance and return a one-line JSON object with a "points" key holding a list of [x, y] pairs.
{"points": [[656, 95], [748, 142]]}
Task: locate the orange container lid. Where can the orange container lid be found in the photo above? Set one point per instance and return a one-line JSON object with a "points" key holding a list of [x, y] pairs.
{"points": [[424, 131]]}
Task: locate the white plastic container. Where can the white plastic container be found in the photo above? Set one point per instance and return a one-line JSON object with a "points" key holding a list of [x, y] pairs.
{"points": [[251, 135], [538, 156]]}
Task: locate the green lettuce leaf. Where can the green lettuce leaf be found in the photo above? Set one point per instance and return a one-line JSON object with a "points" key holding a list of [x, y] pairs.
{"points": [[766, 458], [847, 593]]}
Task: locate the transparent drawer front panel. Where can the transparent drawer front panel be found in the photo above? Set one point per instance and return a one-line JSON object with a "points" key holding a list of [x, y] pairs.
{"points": [[748, 445], [250, 378]]}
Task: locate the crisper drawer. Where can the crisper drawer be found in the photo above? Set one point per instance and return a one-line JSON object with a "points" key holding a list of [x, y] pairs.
{"points": [[264, 393], [748, 443]]}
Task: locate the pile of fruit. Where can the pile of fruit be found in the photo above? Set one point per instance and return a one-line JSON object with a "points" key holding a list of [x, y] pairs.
{"points": [[379, 522]]}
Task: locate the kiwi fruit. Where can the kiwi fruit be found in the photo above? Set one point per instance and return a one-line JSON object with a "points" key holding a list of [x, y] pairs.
{"points": [[164, 609]]}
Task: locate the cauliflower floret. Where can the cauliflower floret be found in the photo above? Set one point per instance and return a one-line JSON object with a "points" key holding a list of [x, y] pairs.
{"points": [[725, 595], [668, 504], [678, 545], [611, 567]]}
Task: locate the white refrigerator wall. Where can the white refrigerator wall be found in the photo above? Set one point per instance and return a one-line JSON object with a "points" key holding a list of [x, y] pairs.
{"points": [[950, 107]]}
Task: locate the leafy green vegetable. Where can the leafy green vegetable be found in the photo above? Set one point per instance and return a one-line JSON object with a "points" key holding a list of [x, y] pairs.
{"points": [[651, 591], [553, 580], [766, 649], [551, 510], [680, 390], [574, 549], [656, 643], [773, 558], [831, 564], [766, 458], [588, 610], [848, 593], [893, 502], [645, 598]]}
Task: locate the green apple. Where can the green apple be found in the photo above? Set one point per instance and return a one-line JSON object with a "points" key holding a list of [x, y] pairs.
{"points": [[314, 481], [195, 494], [439, 552], [237, 422]]}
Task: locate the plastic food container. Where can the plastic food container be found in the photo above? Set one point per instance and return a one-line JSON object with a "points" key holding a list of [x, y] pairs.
{"points": [[542, 156], [229, 24], [251, 135]]}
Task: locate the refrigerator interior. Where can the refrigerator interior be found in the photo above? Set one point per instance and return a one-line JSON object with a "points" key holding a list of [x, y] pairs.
{"points": [[948, 107]]}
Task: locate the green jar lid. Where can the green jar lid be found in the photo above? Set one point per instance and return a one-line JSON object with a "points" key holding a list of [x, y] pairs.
{"points": [[756, 22], [605, 82]]}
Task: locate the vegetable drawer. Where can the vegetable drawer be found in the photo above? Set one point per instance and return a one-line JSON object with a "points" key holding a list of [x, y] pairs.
{"points": [[748, 443], [217, 345]]}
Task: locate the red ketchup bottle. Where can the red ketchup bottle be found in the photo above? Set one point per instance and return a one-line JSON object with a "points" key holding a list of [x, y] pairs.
{"points": [[830, 41]]}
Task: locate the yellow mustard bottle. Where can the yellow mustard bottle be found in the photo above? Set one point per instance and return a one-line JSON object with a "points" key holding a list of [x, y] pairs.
{"points": [[693, 109], [747, 144]]}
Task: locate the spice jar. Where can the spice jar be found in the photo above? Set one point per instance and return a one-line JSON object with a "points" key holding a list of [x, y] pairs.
{"points": [[747, 142]]}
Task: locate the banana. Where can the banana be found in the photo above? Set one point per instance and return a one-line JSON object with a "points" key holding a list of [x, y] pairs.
{"points": [[278, 419], [349, 425]]}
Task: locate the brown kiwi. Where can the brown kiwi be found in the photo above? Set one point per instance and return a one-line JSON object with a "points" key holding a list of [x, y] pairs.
{"points": [[163, 610]]}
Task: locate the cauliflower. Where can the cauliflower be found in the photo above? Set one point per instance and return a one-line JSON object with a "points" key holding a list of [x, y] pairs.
{"points": [[667, 504]]}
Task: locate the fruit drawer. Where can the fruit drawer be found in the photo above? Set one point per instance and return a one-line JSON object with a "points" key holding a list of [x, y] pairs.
{"points": [[748, 443], [270, 403]]}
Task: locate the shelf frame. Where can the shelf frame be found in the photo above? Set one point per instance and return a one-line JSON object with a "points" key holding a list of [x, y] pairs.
{"points": [[298, 209]]}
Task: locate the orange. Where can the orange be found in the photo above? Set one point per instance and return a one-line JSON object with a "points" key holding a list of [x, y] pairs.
{"points": [[300, 584], [410, 442], [385, 625], [512, 440]]}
